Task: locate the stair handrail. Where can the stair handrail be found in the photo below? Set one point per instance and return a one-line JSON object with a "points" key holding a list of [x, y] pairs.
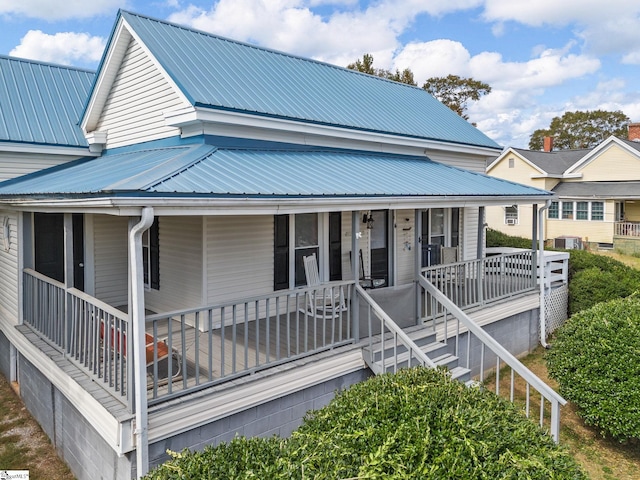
{"points": [[392, 326], [545, 390]]}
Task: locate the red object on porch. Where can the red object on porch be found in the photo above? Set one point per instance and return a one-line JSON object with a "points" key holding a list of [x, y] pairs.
{"points": [[161, 347]]}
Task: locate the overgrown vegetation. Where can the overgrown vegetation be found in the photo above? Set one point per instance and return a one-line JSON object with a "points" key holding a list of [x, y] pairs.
{"points": [[415, 424], [499, 239], [596, 360]]}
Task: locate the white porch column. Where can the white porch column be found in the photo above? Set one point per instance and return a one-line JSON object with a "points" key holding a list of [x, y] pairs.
{"points": [[137, 319], [355, 259]]}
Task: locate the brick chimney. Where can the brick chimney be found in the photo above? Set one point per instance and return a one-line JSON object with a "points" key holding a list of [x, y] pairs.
{"points": [[547, 142], [634, 132]]}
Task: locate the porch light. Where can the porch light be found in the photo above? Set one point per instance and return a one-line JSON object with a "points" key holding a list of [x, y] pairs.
{"points": [[368, 220]]}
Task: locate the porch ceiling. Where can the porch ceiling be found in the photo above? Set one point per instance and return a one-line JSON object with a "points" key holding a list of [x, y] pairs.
{"points": [[197, 172]]}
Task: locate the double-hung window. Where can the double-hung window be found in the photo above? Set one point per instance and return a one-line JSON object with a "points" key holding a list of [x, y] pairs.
{"points": [[597, 211], [554, 210], [582, 210], [567, 210]]}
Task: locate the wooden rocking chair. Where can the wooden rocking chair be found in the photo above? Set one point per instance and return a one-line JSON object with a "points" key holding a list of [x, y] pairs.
{"points": [[325, 302]]}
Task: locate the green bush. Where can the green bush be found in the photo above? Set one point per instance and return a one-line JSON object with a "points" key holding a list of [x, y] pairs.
{"points": [[597, 278], [596, 360], [499, 239], [417, 423]]}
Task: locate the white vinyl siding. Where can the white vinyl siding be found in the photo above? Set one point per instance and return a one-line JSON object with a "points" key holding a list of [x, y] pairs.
{"points": [[404, 246], [460, 160], [469, 234], [14, 164], [181, 264], [9, 269], [138, 98], [239, 254], [110, 255]]}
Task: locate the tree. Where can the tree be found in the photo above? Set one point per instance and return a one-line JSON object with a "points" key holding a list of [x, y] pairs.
{"points": [[455, 92], [366, 66], [581, 129], [452, 90]]}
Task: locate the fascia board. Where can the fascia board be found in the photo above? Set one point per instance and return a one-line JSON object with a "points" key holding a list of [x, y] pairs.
{"points": [[46, 149], [593, 154], [105, 77], [260, 206], [194, 116]]}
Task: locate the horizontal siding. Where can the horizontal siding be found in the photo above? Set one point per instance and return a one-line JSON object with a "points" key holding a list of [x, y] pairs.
{"points": [[110, 254], [9, 269], [239, 257], [469, 233], [405, 252], [135, 106], [181, 265], [17, 164], [627, 166], [472, 163]]}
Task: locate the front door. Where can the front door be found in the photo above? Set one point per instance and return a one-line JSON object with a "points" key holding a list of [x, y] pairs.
{"points": [[48, 230], [380, 245]]}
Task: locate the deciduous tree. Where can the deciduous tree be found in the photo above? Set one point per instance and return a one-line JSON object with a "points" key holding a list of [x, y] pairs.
{"points": [[581, 129], [455, 92]]}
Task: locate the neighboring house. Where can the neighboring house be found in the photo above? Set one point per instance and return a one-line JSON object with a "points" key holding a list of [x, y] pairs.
{"points": [[597, 193], [154, 292]]}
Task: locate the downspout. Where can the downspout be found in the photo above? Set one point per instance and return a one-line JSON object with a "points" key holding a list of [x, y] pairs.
{"points": [[138, 319], [541, 268]]}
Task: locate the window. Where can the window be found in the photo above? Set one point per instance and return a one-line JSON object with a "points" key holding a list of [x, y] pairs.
{"points": [[554, 210], [511, 215], [511, 162], [151, 256], [582, 210], [306, 243], [597, 210], [567, 210]]}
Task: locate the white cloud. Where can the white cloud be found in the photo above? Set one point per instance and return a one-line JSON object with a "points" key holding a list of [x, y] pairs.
{"points": [[58, 10], [65, 47], [340, 38]]}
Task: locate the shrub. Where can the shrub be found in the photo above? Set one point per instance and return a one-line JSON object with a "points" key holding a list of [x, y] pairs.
{"points": [[499, 239], [596, 360], [417, 423], [596, 278]]}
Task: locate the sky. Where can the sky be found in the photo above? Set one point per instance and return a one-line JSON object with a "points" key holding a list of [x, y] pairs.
{"points": [[541, 58]]}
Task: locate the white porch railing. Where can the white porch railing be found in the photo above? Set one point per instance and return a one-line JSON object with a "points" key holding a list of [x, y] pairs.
{"points": [[88, 332], [478, 282], [475, 347], [220, 342], [385, 335], [627, 229]]}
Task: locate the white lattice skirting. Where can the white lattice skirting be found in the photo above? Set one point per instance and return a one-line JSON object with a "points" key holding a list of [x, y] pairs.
{"points": [[555, 308]]}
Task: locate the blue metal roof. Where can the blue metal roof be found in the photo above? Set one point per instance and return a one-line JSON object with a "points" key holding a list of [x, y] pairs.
{"points": [[218, 73], [206, 170], [41, 103]]}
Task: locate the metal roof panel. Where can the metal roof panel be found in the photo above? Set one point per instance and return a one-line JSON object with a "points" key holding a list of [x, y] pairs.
{"points": [[41, 103], [204, 170], [219, 73]]}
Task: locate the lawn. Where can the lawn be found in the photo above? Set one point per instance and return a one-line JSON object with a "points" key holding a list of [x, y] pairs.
{"points": [[23, 444]]}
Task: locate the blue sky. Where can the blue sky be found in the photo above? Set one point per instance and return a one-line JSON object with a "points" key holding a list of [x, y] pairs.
{"points": [[541, 57]]}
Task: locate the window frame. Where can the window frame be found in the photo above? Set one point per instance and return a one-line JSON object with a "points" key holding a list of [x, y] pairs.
{"points": [[554, 210], [511, 212]]}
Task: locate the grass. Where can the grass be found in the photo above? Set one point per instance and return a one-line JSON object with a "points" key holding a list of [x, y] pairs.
{"points": [[23, 444]]}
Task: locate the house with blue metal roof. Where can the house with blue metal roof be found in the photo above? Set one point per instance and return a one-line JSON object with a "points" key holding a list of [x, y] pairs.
{"points": [[238, 233]]}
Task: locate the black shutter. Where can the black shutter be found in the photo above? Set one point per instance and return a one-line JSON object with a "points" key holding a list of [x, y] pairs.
{"points": [[335, 246], [281, 252], [154, 254]]}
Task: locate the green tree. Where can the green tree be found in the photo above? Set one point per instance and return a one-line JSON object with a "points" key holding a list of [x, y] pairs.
{"points": [[366, 66], [581, 129], [455, 92]]}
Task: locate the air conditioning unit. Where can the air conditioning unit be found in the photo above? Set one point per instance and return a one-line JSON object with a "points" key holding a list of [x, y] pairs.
{"points": [[511, 221], [568, 243]]}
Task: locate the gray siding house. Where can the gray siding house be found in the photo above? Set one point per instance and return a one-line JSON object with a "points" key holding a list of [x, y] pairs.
{"points": [[155, 293]]}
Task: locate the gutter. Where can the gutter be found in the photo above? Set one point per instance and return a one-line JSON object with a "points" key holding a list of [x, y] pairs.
{"points": [[137, 318], [543, 327]]}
